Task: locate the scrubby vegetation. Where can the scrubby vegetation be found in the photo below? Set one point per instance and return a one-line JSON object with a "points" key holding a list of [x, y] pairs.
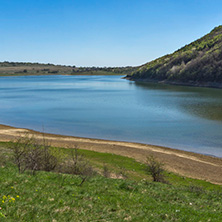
{"points": [[21, 68], [198, 62], [126, 193], [30, 154], [155, 169]]}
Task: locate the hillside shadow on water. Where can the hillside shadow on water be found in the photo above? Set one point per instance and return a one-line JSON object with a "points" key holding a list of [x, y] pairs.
{"points": [[200, 102]]}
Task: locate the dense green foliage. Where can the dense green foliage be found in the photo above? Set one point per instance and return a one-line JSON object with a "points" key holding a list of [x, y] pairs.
{"points": [[200, 61], [49, 196]]}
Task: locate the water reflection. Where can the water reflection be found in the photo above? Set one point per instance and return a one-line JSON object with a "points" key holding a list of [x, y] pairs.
{"points": [[201, 102]]}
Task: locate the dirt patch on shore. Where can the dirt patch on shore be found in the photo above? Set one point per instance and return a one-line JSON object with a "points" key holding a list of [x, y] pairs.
{"points": [[181, 162]]}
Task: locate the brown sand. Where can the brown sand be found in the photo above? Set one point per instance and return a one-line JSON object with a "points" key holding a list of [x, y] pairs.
{"points": [[181, 162]]}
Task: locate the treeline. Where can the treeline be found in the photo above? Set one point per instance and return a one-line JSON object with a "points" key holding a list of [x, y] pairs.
{"points": [[14, 64], [123, 70], [27, 68]]}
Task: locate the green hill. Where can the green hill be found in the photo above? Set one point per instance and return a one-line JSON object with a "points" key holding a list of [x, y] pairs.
{"points": [[199, 63]]}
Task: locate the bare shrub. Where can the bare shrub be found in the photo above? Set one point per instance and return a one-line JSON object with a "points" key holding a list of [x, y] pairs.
{"points": [[19, 148], [155, 168], [106, 172], [5, 156], [29, 154], [33, 158], [49, 160], [78, 165]]}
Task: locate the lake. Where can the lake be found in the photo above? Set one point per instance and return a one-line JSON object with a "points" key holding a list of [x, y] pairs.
{"points": [[108, 107]]}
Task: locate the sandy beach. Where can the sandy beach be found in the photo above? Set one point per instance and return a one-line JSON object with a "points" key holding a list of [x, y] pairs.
{"points": [[184, 163]]}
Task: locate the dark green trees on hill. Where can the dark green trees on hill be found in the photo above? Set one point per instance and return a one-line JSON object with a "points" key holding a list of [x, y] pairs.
{"points": [[200, 61]]}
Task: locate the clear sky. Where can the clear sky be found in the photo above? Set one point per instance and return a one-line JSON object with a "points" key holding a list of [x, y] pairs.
{"points": [[101, 32]]}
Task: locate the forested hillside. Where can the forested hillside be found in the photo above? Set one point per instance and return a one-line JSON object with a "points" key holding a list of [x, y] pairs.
{"points": [[196, 63]]}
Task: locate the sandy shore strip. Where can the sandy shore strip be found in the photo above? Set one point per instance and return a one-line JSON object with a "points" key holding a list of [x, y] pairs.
{"points": [[184, 163]]}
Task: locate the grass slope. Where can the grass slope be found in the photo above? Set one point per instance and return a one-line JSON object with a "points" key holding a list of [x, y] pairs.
{"points": [[198, 62], [49, 196]]}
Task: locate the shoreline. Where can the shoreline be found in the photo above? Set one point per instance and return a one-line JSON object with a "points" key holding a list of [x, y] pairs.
{"points": [[191, 84], [60, 74], [184, 163]]}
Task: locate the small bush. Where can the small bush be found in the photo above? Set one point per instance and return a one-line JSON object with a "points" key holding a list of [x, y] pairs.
{"points": [[19, 149], [155, 168], [29, 154], [106, 172], [76, 164]]}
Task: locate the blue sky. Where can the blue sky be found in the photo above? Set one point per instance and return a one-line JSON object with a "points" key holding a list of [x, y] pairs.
{"points": [[101, 32]]}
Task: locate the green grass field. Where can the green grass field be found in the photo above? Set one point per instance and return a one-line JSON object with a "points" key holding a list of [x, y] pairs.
{"points": [[50, 196]]}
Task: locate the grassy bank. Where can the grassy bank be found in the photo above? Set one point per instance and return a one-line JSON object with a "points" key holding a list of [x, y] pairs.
{"points": [[50, 196]]}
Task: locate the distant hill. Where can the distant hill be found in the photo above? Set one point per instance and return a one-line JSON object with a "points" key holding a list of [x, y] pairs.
{"points": [[22, 68], [199, 63]]}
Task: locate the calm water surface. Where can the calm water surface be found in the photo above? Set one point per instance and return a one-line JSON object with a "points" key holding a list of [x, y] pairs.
{"points": [[108, 107]]}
